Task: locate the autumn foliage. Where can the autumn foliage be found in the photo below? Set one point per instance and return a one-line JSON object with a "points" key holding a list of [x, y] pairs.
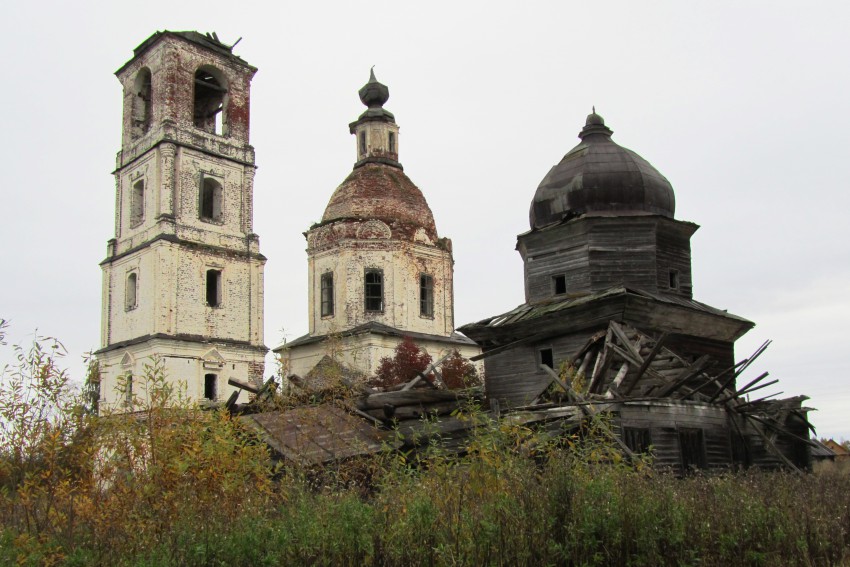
{"points": [[409, 360]]}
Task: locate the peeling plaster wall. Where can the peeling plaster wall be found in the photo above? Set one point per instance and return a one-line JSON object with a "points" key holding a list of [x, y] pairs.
{"points": [[364, 352], [170, 246], [402, 264]]}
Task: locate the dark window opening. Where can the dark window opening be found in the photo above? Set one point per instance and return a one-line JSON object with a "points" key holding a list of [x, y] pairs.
{"points": [[214, 288], [362, 143], [137, 202], [141, 104], [210, 205], [131, 293], [128, 391], [392, 143], [741, 455], [209, 102], [637, 439], [674, 279], [426, 295], [327, 294], [560, 284], [692, 446], [210, 383], [374, 290], [547, 358]]}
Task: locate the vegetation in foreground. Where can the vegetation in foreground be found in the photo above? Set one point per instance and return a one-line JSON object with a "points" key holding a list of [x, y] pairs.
{"points": [[173, 485]]}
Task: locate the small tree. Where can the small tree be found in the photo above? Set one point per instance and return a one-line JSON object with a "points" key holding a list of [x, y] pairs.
{"points": [[458, 372], [408, 361]]}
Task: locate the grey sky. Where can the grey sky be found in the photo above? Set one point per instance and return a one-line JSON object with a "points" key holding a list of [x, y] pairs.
{"points": [[742, 106]]}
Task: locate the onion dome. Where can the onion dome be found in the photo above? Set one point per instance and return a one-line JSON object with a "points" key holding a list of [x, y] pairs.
{"points": [[374, 95], [599, 177]]}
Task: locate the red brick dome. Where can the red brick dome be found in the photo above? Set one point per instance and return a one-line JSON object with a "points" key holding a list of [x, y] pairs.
{"points": [[385, 193]]}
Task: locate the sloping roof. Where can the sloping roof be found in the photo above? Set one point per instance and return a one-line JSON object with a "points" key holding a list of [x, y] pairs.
{"points": [[378, 329], [556, 315], [312, 435]]}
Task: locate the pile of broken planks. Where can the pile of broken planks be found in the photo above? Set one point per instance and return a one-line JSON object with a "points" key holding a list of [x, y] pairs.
{"points": [[623, 364]]}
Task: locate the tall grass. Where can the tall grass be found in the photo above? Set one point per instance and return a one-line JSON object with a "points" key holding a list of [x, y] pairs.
{"points": [[171, 485]]}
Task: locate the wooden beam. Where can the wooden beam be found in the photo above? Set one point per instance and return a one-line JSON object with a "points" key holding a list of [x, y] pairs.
{"points": [[686, 375], [646, 362]]}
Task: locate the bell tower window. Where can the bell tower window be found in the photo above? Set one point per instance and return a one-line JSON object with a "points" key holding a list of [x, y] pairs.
{"points": [[142, 104], [210, 201], [362, 143], [131, 292], [327, 292], [214, 288], [392, 142], [209, 102], [137, 203], [374, 290]]}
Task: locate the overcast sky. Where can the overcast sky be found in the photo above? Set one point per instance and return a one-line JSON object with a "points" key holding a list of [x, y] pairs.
{"points": [[744, 107]]}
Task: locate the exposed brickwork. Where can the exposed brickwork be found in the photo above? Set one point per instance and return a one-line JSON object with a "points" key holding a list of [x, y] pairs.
{"points": [[174, 149], [385, 193]]}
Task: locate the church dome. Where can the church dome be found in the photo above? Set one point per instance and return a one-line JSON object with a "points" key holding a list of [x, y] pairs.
{"points": [[382, 192], [600, 177]]}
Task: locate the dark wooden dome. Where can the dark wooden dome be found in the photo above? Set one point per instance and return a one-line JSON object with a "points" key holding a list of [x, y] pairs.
{"points": [[600, 177]]}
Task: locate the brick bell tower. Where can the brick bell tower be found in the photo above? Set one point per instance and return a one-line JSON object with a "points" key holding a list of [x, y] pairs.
{"points": [[183, 276]]}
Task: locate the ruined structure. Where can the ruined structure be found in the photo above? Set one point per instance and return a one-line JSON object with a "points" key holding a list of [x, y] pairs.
{"points": [[377, 269], [609, 303], [183, 276]]}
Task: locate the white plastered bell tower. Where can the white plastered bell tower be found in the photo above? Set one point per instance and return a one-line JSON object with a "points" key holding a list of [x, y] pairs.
{"points": [[183, 276]]}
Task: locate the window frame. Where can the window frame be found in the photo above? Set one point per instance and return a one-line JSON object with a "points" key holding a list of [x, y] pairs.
{"points": [[562, 279], [326, 294], [426, 296], [366, 287], [542, 358]]}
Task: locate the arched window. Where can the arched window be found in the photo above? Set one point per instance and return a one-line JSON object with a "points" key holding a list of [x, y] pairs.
{"points": [[210, 199], [131, 291], [137, 203], [210, 92], [142, 104]]}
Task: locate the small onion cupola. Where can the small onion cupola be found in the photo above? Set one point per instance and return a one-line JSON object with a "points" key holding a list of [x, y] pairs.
{"points": [[375, 130], [599, 177]]}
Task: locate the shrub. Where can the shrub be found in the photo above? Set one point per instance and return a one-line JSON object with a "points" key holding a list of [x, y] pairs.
{"points": [[408, 361]]}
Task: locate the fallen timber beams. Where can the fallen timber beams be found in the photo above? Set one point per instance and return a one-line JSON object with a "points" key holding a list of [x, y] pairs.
{"points": [[588, 411]]}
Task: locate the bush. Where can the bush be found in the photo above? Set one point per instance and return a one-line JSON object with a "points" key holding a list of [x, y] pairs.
{"points": [[408, 361]]}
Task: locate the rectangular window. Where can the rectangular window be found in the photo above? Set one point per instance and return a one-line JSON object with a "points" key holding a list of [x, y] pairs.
{"points": [[214, 288], [426, 295], [637, 439], [559, 283], [128, 391], [210, 386], [362, 142], [547, 358], [392, 142], [374, 290], [674, 279], [137, 203], [692, 446], [327, 294]]}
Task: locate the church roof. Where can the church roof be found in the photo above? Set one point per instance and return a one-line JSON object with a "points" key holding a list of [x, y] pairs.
{"points": [[383, 192], [600, 177], [379, 329]]}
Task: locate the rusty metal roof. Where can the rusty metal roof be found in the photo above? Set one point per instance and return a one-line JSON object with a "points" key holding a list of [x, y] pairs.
{"points": [[312, 435]]}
